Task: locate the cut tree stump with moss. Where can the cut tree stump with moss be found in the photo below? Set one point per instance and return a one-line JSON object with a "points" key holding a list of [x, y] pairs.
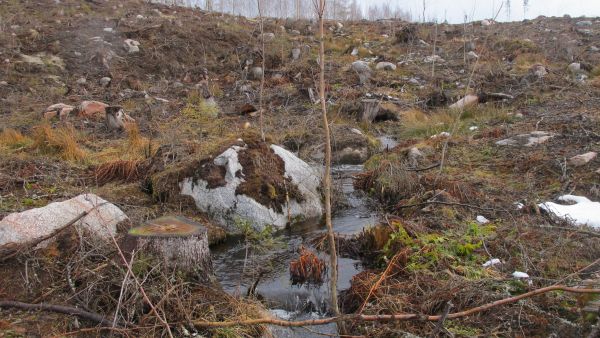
{"points": [[180, 243]]}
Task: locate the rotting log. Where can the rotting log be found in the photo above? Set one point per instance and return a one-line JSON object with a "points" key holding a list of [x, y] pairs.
{"points": [[370, 109], [180, 243]]}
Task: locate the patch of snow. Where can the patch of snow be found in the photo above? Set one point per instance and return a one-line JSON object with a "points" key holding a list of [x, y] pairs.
{"points": [[583, 212], [519, 274], [482, 220], [491, 262]]}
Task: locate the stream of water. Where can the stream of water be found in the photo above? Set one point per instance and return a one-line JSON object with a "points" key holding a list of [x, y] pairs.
{"points": [[285, 300]]}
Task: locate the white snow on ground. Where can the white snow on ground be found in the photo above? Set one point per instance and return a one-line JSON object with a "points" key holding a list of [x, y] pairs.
{"points": [[491, 262], [519, 274], [583, 212]]}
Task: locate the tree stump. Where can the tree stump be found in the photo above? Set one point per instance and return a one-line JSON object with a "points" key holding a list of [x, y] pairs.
{"points": [[370, 109], [182, 244]]}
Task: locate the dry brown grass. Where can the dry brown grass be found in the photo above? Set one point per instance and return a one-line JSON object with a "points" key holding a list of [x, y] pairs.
{"points": [[137, 145], [13, 139], [307, 269], [61, 141], [120, 170]]}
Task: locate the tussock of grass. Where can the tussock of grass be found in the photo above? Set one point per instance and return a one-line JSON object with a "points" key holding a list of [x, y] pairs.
{"points": [[198, 108], [60, 141], [418, 124], [523, 62], [137, 145], [13, 139]]}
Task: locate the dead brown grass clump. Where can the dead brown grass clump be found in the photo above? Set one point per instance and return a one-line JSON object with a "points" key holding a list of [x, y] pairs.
{"points": [[60, 141], [307, 269], [120, 170], [12, 138]]}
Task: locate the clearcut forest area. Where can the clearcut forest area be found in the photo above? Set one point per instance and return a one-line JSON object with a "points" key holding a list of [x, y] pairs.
{"points": [[169, 171]]}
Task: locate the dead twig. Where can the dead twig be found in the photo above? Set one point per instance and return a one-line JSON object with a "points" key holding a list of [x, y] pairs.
{"points": [[444, 203], [393, 317], [94, 317]]}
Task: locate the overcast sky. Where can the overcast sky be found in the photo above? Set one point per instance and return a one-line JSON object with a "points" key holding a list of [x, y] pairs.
{"points": [[455, 10]]}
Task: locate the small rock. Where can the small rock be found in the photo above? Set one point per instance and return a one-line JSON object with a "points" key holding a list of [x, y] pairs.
{"points": [[296, 52], [81, 81], [414, 81], [486, 22], [414, 155], [363, 70], [466, 101], [131, 46], [3, 83], [473, 128], [295, 32], [575, 67], [482, 220], [472, 56], [385, 66], [139, 17], [339, 25], [356, 131], [424, 43], [268, 36], [519, 115], [539, 71], [433, 58], [105, 81], [78, 54], [108, 29], [583, 159], [257, 73], [594, 49]]}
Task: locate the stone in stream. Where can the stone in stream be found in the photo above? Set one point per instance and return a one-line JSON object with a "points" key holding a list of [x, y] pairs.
{"points": [[256, 183]]}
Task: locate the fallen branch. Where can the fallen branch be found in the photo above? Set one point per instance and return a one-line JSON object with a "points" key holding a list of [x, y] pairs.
{"points": [[423, 169], [392, 317], [444, 203], [10, 252], [94, 317]]}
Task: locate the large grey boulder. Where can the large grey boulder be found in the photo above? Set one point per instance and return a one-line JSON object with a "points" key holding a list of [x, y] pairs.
{"points": [[363, 70], [288, 192], [30, 225]]}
